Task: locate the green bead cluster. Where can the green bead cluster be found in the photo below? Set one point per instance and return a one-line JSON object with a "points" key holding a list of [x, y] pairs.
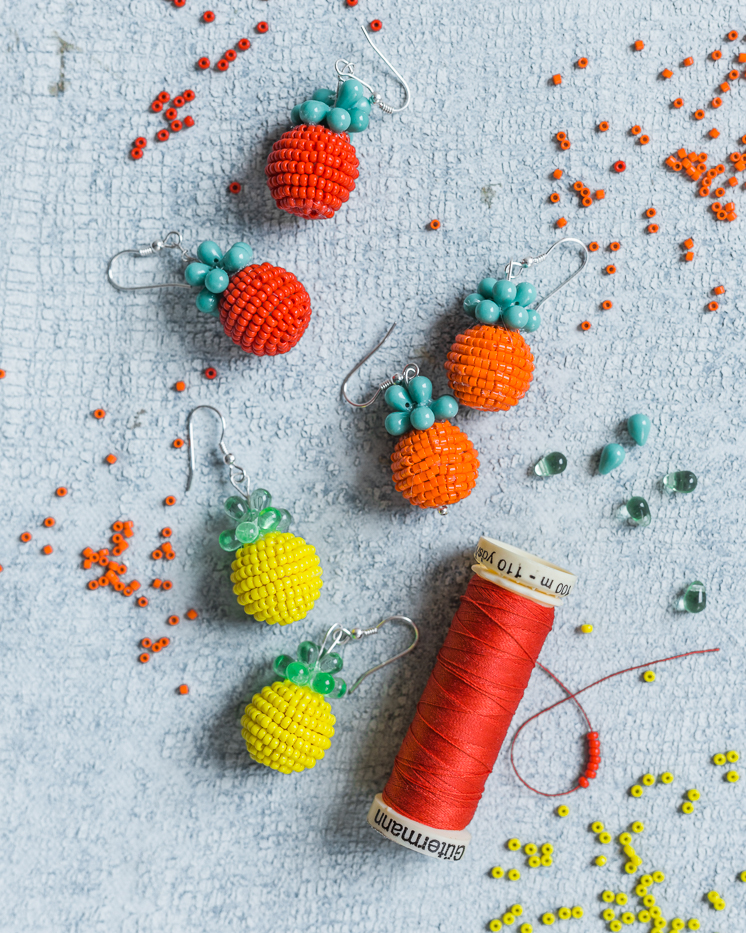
{"points": [[502, 302], [414, 407], [256, 518], [346, 111], [213, 271], [313, 669]]}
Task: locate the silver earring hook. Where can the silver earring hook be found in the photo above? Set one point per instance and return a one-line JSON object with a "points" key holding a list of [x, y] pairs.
{"points": [[408, 373], [238, 476], [348, 71], [172, 240], [515, 265], [343, 636]]}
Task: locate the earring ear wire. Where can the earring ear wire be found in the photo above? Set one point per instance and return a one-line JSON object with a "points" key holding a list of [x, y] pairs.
{"points": [[155, 247], [408, 373]]}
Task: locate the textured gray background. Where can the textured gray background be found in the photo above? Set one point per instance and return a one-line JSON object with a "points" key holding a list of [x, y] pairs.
{"points": [[127, 807]]}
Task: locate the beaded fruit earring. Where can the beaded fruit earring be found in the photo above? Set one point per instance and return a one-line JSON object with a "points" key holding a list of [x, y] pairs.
{"points": [[264, 309], [490, 366], [312, 168], [289, 725], [276, 575], [434, 464]]}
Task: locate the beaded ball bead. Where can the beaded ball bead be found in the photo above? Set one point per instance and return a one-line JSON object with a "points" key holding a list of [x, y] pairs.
{"points": [[489, 368], [435, 468]]}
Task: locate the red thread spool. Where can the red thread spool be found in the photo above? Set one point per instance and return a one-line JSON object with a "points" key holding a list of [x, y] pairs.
{"points": [[463, 716]]}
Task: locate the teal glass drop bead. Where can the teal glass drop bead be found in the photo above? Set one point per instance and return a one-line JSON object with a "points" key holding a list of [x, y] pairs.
{"points": [[338, 120], [471, 302], [695, 598], [238, 257], [680, 481], [308, 653], [195, 273], [444, 407], [297, 673], [209, 253], [533, 323], [216, 281], [247, 532], [487, 312], [503, 293], [359, 120], [515, 317], [612, 456], [236, 507], [420, 390], [322, 683], [228, 540], [207, 302], [340, 689], [397, 423], [639, 428], [397, 397], [422, 418], [485, 287], [312, 112], [325, 95], [280, 664], [364, 105], [286, 519], [331, 663], [350, 93], [638, 512], [260, 499], [551, 464], [525, 294], [269, 519], [295, 115]]}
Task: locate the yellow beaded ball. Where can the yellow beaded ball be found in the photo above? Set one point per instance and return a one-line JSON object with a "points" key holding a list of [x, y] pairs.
{"points": [[277, 579], [287, 727]]}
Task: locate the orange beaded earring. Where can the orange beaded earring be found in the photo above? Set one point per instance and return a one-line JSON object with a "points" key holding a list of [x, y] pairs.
{"points": [[490, 365]]}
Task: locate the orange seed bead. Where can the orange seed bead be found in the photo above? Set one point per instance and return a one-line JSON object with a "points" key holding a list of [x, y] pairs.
{"points": [[586, 325], [434, 225], [593, 247], [582, 63], [183, 689], [610, 270], [192, 614], [557, 79], [714, 133], [173, 620], [713, 306], [718, 290], [110, 458], [144, 658], [688, 62], [61, 491], [49, 522], [99, 413], [557, 173], [689, 244], [639, 45], [667, 73], [607, 305], [180, 386], [554, 197], [561, 222], [170, 500], [678, 103], [142, 601], [600, 194], [603, 126]]}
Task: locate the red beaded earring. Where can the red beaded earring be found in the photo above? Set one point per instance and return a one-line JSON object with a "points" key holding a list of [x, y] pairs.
{"points": [[312, 168]]}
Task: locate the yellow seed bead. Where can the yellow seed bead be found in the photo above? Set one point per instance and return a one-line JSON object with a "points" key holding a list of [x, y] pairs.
{"points": [[677, 924], [712, 896], [643, 916], [516, 910], [625, 839], [648, 780], [547, 849], [732, 776], [627, 918], [638, 827], [497, 872], [647, 880], [658, 877], [600, 860], [548, 919], [563, 811], [514, 875], [546, 861], [608, 896], [648, 677], [648, 901], [719, 759], [742, 876], [659, 923], [564, 913], [667, 777], [636, 790], [604, 838], [586, 629], [608, 914], [732, 757], [514, 844], [641, 890], [496, 925], [530, 849], [687, 807], [534, 862], [719, 904], [693, 924], [615, 926], [597, 827], [577, 912], [526, 928], [630, 868], [508, 919], [621, 898], [693, 795], [656, 912]]}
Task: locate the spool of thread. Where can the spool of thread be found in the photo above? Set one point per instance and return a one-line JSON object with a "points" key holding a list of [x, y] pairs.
{"points": [[463, 716]]}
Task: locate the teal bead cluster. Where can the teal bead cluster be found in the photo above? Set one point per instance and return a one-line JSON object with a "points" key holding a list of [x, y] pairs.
{"points": [[256, 517], [503, 302], [313, 669], [345, 112], [414, 407], [213, 271]]}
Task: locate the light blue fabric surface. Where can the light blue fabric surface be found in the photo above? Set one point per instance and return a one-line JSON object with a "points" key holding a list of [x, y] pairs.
{"points": [[127, 807]]}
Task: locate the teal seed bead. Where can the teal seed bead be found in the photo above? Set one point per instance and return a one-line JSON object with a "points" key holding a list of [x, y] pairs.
{"points": [[695, 597], [533, 323], [260, 499], [471, 302], [228, 540], [216, 281], [209, 253], [487, 312], [612, 456], [195, 273], [295, 115], [313, 112], [236, 507], [338, 120], [397, 423], [238, 257], [397, 398], [420, 390], [247, 532], [638, 512], [525, 294], [422, 418], [485, 287], [681, 481], [359, 120], [639, 428], [350, 93], [297, 673], [444, 407], [322, 683], [325, 95], [551, 464], [207, 302], [503, 293], [515, 317]]}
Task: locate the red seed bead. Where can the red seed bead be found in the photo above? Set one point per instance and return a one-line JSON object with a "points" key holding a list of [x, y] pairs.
{"points": [[171, 113], [189, 96], [243, 44], [179, 100], [211, 373], [583, 781], [188, 121], [164, 97], [591, 774], [592, 735], [156, 106], [351, 2], [222, 65], [234, 187], [230, 55], [619, 166], [162, 135], [376, 25], [179, 3], [140, 143], [203, 63], [176, 125], [262, 27], [208, 16], [136, 154]]}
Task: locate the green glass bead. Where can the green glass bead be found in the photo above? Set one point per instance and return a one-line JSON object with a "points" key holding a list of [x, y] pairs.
{"points": [[471, 302], [515, 317], [248, 532], [338, 120], [551, 464], [297, 673], [269, 519], [612, 456], [397, 397], [260, 499], [444, 407], [694, 598], [325, 95], [639, 428], [207, 302], [228, 540], [216, 281], [280, 664], [286, 519], [525, 294], [238, 257], [420, 390], [487, 312], [340, 689], [638, 512], [195, 273], [422, 418], [308, 653], [485, 287], [313, 112], [533, 323], [331, 663], [236, 507], [359, 120], [397, 423], [322, 683], [503, 293], [350, 93], [680, 481], [209, 253]]}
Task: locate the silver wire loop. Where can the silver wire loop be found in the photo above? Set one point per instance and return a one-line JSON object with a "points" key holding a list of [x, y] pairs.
{"points": [[515, 266], [404, 377], [348, 71], [238, 476], [343, 636], [172, 240]]}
